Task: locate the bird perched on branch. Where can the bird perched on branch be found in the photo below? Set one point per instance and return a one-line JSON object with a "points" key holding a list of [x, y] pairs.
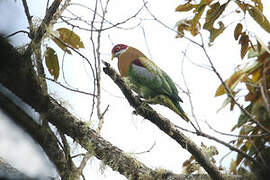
{"points": [[147, 79]]}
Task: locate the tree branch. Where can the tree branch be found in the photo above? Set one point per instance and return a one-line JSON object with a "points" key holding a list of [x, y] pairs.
{"points": [[16, 73], [42, 28], [164, 124], [41, 134]]}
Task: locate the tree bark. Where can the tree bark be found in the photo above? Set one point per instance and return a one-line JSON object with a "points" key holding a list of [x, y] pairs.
{"points": [[164, 124]]}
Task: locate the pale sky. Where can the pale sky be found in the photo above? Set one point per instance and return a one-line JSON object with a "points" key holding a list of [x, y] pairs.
{"points": [[132, 133]]}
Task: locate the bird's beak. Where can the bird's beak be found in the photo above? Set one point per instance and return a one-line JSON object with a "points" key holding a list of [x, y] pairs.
{"points": [[113, 56]]}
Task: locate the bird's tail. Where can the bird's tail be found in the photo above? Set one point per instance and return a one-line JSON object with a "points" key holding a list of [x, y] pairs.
{"points": [[180, 111], [175, 106]]}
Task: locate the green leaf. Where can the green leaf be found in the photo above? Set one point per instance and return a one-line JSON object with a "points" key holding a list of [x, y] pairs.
{"points": [[52, 63], [224, 104], [70, 38], [258, 16], [243, 118]]}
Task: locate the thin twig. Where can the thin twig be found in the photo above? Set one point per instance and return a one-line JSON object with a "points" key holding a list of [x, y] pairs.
{"points": [[21, 31], [112, 24], [188, 91], [77, 155], [101, 119], [146, 43], [98, 69], [29, 18], [95, 59], [166, 26], [83, 162], [147, 151], [234, 135], [70, 89]]}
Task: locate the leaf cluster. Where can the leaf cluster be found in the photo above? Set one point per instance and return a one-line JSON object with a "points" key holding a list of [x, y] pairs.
{"points": [[213, 11], [253, 75], [64, 39]]}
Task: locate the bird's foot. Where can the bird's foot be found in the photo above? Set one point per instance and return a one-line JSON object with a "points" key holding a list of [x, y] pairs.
{"points": [[150, 101]]}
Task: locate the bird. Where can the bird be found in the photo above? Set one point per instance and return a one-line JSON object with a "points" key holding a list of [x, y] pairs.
{"points": [[148, 80]]}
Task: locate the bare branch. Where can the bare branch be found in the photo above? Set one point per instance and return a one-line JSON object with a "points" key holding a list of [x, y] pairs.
{"points": [[188, 91], [148, 150], [82, 165], [29, 18], [234, 135], [21, 31], [68, 88], [42, 28]]}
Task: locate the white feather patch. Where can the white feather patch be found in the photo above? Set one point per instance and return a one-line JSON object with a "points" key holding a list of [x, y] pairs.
{"points": [[143, 72]]}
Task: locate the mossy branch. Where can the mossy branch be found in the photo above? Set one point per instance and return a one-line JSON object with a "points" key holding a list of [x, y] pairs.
{"points": [[164, 124]]}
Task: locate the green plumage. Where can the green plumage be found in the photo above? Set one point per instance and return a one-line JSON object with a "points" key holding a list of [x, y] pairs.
{"points": [[153, 84]]}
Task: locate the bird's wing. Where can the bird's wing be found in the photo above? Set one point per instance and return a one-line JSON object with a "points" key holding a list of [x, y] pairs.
{"points": [[170, 82], [148, 74]]}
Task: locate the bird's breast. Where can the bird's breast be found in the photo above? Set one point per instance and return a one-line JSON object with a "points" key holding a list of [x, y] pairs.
{"points": [[126, 58]]}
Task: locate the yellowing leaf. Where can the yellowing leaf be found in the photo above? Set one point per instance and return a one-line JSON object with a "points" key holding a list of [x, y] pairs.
{"points": [[220, 90], [214, 33], [208, 2], [185, 7], [242, 5], [194, 22], [252, 94], [70, 38], [181, 26], [51, 61], [244, 39], [261, 43], [258, 4], [256, 75], [213, 14], [233, 166], [184, 25], [256, 51], [231, 82], [61, 45], [237, 31], [258, 16], [240, 157]]}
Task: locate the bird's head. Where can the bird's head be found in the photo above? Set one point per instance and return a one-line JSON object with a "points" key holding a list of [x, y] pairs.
{"points": [[118, 50]]}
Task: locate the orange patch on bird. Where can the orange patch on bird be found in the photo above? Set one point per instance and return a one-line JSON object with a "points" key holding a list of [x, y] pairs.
{"points": [[126, 58]]}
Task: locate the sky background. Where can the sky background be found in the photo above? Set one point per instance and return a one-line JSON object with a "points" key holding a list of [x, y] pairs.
{"points": [[122, 128]]}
